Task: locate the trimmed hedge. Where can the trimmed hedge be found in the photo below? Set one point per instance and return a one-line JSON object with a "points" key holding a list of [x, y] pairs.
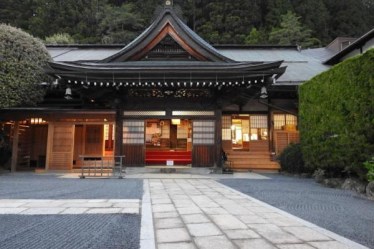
{"points": [[22, 58], [337, 117]]}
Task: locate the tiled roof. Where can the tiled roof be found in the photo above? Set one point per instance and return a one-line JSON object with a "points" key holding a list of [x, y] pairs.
{"points": [[301, 66]]}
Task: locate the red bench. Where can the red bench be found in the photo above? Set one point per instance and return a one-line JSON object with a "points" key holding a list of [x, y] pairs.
{"points": [[160, 157]]}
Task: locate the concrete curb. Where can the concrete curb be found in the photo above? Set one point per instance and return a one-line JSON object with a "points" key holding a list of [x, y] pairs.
{"points": [[147, 235]]}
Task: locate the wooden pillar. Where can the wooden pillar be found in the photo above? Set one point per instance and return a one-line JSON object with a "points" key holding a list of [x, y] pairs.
{"points": [[118, 133], [13, 165], [270, 127], [218, 149], [49, 145]]}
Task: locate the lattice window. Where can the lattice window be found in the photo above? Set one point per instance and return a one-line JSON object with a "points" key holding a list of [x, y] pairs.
{"points": [[259, 121], [203, 132], [226, 128], [133, 132], [285, 122]]}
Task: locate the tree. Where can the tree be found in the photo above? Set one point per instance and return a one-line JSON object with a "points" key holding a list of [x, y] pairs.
{"points": [[229, 22], [215, 20], [121, 26], [274, 10], [21, 67], [60, 38], [315, 16], [292, 32], [349, 17], [255, 37]]}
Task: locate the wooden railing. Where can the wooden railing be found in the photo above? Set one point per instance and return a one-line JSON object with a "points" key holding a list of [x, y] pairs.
{"points": [[99, 166]]}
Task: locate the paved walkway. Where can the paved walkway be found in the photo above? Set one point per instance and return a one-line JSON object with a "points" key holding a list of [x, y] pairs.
{"points": [[202, 213], [181, 211], [68, 206]]}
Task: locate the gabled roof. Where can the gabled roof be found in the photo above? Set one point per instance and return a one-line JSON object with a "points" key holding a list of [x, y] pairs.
{"points": [[359, 43], [168, 23], [166, 52]]}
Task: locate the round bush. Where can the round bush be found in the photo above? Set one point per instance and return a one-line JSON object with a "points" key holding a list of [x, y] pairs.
{"points": [[22, 58], [291, 160]]}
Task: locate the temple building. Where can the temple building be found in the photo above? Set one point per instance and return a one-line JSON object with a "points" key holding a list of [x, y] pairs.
{"points": [[166, 96]]}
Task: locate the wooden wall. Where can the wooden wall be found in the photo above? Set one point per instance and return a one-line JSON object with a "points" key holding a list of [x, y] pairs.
{"points": [[283, 138], [39, 144], [134, 155], [94, 140], [203, 155], [60, 146]]}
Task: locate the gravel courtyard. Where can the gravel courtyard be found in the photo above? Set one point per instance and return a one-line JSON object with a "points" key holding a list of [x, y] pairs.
{"points": [[68, 229], [340, 211]]}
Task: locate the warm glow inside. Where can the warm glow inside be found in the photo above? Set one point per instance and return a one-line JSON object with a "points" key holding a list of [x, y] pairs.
{"points": [[37, 121], [176, 121]]}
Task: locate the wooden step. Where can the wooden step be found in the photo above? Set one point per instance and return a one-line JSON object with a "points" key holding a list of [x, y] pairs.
{"points": [[249, 157], [248, 160]]}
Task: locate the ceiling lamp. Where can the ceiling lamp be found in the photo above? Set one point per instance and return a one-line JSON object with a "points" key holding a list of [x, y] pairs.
{"points": [[264, 93], [68, 93]]}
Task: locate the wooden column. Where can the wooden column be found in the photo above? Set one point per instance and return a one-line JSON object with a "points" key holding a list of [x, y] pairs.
{"points": [[118, 133], [13, 165], [270, 127], [218, 149], [49, 144]]}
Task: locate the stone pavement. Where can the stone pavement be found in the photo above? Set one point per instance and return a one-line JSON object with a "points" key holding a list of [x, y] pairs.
{"points": [[69, 206], [180, 211], [202, 213]]}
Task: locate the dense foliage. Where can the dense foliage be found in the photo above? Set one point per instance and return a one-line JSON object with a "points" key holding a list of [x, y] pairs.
{"points": [[369, 165], [337, 117], [291, 160], [21, 67], [219, 22]]}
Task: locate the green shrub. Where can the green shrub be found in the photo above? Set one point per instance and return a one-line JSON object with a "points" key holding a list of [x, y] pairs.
{"points": [[369, 165], [60, 38], [337, 118], [291, 160], [22, 58]]}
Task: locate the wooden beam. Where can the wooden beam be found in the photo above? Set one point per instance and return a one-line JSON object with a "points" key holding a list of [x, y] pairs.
{"points": [[13, 166]]}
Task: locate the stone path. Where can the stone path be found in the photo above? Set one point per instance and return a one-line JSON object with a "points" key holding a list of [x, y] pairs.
{"points": [[69, 206], [201, 213]]}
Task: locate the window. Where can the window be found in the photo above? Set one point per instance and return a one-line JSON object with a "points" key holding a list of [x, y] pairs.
{"points": [[133, 132], [285, 122], [259, 127], [203, 132], [226, 128]]}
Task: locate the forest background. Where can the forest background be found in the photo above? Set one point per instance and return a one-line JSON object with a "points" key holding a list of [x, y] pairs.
{"points": [[310, 23]]}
